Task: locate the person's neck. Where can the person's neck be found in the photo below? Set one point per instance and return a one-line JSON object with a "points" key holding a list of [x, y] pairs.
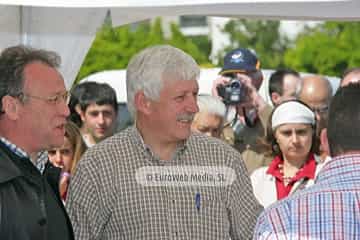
{"points": [[21, 138], [161, 148], [292, 166], [87, 136]]}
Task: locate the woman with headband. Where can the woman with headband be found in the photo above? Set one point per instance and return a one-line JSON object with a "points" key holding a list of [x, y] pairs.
{"points": [[290, 138]]}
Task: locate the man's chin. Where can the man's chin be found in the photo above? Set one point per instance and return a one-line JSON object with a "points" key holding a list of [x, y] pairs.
{"points": [[100, 137]]}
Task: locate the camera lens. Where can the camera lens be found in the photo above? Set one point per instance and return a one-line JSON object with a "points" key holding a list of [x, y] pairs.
{"points": [[235, 85]]}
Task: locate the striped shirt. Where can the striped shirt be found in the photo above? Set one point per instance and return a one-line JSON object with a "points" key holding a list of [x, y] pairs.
{"points": [[106, 201], [330, 209]]}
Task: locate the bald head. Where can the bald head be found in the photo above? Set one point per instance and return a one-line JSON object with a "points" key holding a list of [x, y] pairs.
{"points": [[316, 91], [350, 76]]}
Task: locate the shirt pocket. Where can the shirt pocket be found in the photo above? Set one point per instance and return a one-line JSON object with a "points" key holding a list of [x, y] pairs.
{"points": [[210, 214]]}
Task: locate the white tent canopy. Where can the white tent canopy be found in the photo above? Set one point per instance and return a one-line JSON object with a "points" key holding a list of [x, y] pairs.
{"points": [[69, 26]]}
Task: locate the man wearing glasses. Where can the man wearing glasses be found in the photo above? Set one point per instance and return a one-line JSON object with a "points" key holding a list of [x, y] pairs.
{"points": [[32, 118], [316, 91]]}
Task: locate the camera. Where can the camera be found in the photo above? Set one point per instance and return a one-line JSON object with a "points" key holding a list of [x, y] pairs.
{"points": [[231, 93]]}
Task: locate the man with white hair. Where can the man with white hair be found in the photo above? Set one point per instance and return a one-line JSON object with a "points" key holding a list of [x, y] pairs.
{"points": [[210, 118], [157, 180]]}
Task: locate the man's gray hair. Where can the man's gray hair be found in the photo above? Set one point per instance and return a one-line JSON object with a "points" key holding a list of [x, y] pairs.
{"points": [[212, 105], [148, 70]]}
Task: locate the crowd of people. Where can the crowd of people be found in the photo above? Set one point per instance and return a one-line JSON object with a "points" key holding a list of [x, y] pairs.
{"points": [[223, 166]]}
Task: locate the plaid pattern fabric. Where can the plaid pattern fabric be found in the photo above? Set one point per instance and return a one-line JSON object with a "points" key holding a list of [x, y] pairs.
{"points": [[330, 209], [41, 156], [106, 202]]}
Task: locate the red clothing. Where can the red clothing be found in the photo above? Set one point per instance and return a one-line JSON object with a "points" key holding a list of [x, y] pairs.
{"points": [[306, 172]]}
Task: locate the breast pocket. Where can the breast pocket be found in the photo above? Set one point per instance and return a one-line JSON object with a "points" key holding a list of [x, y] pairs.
{"points": [[210, 214]]}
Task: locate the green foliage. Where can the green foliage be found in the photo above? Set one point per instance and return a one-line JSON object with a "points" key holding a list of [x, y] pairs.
{"points": [[180, 41], [329, 49], [203, 43], [262, 36], [113, 47]]}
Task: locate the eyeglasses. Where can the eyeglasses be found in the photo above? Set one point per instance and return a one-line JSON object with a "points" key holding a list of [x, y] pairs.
{"points": [[321, 109], [54, 100]]}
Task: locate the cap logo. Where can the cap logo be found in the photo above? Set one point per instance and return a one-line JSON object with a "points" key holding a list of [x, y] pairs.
{"points": [[237, 57]]}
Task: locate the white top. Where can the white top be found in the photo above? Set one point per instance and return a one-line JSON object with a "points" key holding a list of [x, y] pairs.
{"points": [[264, 185]]}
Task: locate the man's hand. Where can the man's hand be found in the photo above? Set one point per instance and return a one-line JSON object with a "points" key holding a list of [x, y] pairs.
{"points": [[220, 80], [252, 97]]}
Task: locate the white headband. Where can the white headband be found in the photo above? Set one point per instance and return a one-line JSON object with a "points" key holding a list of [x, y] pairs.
{"points": [[292, 112]]}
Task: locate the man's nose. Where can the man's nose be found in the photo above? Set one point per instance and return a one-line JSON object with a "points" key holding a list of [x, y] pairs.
{"points": [[101, 118], [64, 109], [294, 137], [192, 105]]}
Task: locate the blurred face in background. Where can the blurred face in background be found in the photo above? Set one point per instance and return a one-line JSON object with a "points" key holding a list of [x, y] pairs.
{"points": [[290, 84], [99, 120], [207, 123], [62, 157]]}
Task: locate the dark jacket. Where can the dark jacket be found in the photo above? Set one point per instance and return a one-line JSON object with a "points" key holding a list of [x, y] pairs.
{"points": [[30, 207]]}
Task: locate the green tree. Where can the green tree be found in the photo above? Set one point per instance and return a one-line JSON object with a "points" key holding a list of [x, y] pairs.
{"points": [[329, 48], [113, 47], [186, 44], [262, 36]]}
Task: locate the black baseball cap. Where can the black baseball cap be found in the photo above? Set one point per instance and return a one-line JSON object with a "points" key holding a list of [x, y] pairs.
{"points": [[240, 60]]}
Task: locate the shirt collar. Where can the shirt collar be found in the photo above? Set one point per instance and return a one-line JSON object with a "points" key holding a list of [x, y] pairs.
{"points": [[307, 171], [181, 147], [15, 149], [41, 156], [344, 166]]}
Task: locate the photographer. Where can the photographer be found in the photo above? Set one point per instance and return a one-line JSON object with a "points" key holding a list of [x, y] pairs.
{"points": [[247, 115]]}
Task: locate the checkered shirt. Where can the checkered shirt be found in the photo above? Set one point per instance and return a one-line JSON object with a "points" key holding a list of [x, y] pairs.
{"points": [[41, 156], [106, 202], [330, 209]]}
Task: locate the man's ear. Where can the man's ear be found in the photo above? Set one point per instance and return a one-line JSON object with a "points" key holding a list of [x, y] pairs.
{"points": [[142, 103], [78, 109], [80, 112], [275, 98], [10, 106], [324, 141]]}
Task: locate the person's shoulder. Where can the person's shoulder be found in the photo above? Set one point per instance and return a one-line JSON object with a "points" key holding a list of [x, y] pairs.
{"points": [[213, 151], [294, 201], [259, 173], [118, 140], [198, 140], [112, 148]]}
